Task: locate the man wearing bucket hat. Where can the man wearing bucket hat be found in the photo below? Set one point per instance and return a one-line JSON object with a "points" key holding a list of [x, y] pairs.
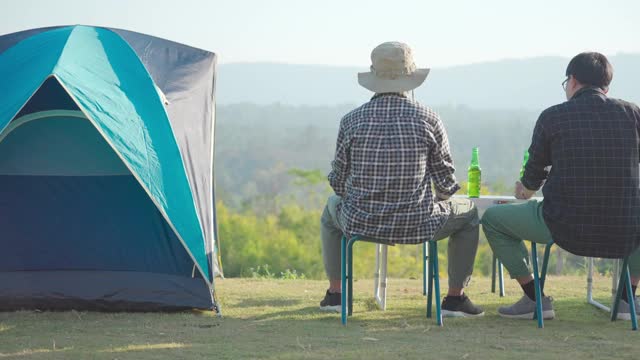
{"points": [[389, 153]]}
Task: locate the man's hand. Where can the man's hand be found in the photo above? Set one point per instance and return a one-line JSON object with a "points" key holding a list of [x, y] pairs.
{"points": [[522, 192], [441, 196]]}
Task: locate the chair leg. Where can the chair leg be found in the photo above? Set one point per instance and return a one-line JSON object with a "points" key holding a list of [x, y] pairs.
{"points": [[501, 278], [625, 283], [545, 263], [343, 284], [536, 281], [632, 304], [350, 276], [494, 263], [430, 290], [436, 279], [425, 261], [383, 277], [621, 282], [376, 273]]}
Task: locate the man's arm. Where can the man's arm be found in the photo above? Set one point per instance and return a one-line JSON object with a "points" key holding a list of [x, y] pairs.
{"points": [[539, 158], [440, 163], [340, 164]]}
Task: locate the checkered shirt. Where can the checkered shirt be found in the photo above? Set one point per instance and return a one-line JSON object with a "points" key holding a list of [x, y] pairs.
{"points": [[388, 153], [591, 196]]}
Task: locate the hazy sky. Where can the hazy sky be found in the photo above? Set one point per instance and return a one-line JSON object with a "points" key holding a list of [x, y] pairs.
{"points": [[343, 32]]}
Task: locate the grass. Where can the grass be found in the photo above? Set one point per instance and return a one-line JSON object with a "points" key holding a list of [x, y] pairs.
{"points": [[278, 319]]}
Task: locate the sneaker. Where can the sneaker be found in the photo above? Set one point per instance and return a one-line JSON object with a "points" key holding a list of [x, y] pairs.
{"points": [[460, 306], [525, 308], [331, 302], [623, 309]]}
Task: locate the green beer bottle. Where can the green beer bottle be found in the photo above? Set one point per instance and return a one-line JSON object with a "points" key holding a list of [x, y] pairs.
{"points": [[524, 163], [474, 175]]}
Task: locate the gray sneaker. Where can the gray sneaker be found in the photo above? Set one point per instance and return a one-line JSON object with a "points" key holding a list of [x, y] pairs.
{"points": [[623, 309], [525, 308]]}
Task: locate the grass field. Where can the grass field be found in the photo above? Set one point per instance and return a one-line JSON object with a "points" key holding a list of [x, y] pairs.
{"points": [[278, 319]]}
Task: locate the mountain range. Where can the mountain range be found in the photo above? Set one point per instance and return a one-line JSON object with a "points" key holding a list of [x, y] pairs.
{"points": [[531, 84]]}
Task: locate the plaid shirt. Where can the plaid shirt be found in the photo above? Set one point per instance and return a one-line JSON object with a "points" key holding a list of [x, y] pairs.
{"points": [[388, 152], [591, 196]]}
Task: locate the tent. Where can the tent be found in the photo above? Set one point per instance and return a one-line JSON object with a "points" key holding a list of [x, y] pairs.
{"points": [[106, 172]]}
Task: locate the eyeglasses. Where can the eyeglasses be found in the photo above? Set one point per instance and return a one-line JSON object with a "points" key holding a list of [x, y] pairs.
{"points": [[564, 84]]}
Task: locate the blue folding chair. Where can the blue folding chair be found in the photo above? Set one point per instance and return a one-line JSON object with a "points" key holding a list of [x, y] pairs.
{"points": [[624, 282], [347, 275], [538, 279]]}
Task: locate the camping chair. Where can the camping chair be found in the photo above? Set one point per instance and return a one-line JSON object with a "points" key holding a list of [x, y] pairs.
{"points": [[496, 270], [496, 264], [347, 275], [625, 279]]}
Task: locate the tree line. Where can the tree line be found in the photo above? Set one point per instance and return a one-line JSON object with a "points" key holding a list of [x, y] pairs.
{"points": [[271, 167]]}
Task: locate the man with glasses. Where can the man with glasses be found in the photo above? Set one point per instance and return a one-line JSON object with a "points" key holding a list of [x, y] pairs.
{"points": [[591, 201]]}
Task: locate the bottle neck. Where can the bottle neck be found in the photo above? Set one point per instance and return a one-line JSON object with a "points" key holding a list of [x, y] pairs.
{"points": [[474, 158]]}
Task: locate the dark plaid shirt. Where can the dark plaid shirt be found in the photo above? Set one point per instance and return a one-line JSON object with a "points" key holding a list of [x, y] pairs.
{"points": [[591, 196], [388, 152]]}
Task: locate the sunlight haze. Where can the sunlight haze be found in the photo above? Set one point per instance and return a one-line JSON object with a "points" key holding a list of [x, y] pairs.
{"points": [[332, 32]]}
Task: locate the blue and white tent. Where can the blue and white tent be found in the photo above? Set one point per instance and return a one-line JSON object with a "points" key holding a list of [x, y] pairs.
{"points": [[106, 171]]}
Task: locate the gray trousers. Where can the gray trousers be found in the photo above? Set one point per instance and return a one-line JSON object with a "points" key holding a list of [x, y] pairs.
{"points": [[462, 229]]}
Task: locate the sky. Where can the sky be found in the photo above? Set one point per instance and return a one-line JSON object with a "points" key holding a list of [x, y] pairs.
{"points": [[343, 32]]}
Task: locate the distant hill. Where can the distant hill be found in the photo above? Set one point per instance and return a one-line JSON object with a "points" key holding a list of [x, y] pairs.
{"points": [[275, 117], [531, 84]]}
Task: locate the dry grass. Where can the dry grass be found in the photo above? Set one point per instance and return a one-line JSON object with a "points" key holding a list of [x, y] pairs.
{"points": [[272, 319]]}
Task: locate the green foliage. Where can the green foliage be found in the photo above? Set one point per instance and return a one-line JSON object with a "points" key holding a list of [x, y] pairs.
{"points": [[285, 242], [287, 245], [264, 272], [308, 177], [278, 237]]}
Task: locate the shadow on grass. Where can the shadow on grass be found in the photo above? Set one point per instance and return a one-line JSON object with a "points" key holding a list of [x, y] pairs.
{"points": [[267, 302], [570, 313]]}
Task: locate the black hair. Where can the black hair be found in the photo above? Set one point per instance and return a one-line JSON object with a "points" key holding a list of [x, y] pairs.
{"points": [[591, 69]]}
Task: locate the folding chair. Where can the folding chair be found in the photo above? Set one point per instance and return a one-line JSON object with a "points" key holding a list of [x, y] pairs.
{"points": [[539, 278], [625, 279], [347, 275]]}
